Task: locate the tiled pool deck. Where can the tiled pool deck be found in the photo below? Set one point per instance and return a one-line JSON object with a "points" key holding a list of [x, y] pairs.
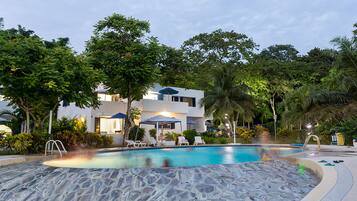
{"points": [[274, 180]]}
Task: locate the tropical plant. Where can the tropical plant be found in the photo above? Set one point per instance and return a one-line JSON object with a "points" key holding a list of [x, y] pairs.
{"points": [[226, 99], [190, 135]]}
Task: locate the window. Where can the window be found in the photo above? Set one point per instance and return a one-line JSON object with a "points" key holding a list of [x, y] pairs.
{"points": [[167, 126], [107, 97], [175, 98], [191, 101]]}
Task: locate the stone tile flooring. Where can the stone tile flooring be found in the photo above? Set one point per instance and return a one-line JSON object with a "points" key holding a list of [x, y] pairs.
{"points": [[274, 180]]}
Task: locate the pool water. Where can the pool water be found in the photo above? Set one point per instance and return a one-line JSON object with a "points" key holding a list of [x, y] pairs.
{"points": [[174, 157]]}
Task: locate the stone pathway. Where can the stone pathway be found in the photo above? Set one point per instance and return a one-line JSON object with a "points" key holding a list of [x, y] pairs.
{"points": [[274, 180]]}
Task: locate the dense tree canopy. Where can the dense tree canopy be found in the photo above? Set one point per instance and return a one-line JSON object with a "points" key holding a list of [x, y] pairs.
{"points": [[120, 48], [36, 75]]}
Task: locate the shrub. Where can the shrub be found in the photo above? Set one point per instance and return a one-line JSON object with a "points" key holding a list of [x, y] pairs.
{"points": [[190, 135], [287, 136], [19, 143], [107, 140], [208, 134], [246, 135], [136, 133], [152, 133], [39, 141], [222, 140], [171, 136], [70, 139], [23, 142], [93, 139], [209, 140]]}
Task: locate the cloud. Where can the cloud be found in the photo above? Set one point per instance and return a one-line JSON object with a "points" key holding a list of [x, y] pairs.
{"points": [[304, 24]]}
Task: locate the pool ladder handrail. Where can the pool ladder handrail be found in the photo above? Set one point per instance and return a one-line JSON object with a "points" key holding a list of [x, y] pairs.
{"points": [[49, 147], [308, 139]]}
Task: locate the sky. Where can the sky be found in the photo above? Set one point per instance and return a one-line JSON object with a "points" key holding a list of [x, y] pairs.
{"points": [[303, 23]]}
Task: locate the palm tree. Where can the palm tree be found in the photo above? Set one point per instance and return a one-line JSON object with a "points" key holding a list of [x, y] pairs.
{"points": [[225, 98], [336, 97]]}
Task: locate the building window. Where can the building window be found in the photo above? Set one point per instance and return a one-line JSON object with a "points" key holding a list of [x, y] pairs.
{"points": [[191, 101], [167, 126], [107, 97], [106, 125]]}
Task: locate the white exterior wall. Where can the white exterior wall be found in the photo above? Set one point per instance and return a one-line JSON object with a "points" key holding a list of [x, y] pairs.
{"points": [[149, 107]]}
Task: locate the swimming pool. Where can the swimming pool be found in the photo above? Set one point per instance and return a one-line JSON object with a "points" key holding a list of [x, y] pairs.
{"points": [[173, 157]]}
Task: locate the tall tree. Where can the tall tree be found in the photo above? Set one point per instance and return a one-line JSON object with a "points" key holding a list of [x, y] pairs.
{"points": [[225, 98], [128, 59], [174, 69], [282, 53], [36, 75], [208, 51]]}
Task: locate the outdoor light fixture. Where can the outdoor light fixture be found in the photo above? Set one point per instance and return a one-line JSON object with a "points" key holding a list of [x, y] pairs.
{"points": [[166, 114], [309, 125]]}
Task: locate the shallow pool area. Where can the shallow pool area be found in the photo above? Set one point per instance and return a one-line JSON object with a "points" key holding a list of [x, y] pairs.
{"points": [[174, 157]]}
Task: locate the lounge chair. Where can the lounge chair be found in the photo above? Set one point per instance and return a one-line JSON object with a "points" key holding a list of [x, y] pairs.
{"points": [[182, 141], [140, 144], [152, 142], [199, 140], [130, 143]]}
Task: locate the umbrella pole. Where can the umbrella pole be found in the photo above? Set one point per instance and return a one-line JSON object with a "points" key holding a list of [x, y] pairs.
{"points": [[157, 131]]}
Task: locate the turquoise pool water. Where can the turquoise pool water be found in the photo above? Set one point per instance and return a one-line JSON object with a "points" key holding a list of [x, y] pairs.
{"points": [[174, 157]]}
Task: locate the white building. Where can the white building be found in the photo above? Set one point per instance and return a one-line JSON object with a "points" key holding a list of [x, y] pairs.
{"points": [[184, 105]]}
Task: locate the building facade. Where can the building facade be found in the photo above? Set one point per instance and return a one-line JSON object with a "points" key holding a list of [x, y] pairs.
{"points": [[184, 105]]}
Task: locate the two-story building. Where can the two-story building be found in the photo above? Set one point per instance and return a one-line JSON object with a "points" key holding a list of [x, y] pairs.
{"points": [[183, 104]]}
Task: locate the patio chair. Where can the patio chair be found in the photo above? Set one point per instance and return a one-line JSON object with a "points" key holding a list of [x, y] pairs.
{"points": [[199, 140], [182, 141], [152, 142], [140, 144], [130, 143]]}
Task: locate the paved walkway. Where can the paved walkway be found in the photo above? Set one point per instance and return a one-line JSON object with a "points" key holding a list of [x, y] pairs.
{"points": [[341, 184]]}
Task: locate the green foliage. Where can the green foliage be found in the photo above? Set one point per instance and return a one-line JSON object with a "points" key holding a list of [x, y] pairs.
{"points": [[20, 143], [136, 132], [172, 136], [215, 140], [39, 141], [348, 128], [284, 53], [286, 136], [190, 135], [208, 134], [129, 60], [36, 75], [23, 142], [246, 135], [152, 133], [107, 140]]}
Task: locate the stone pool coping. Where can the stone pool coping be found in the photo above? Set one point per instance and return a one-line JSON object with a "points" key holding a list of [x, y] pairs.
{"points": [[338, 183]]}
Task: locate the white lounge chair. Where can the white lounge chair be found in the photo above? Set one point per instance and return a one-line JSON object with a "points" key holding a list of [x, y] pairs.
{"points": [[130, 143], [182, 141], [140, 144], [152, 141], [199, 140]]}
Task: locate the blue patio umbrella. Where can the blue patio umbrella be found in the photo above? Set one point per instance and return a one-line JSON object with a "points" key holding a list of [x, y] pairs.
{"points": [[118, 116], [168, 91]]}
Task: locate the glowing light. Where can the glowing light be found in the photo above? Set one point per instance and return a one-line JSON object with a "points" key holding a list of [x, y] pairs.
{"points": [[309, 125], [166, 114]]}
